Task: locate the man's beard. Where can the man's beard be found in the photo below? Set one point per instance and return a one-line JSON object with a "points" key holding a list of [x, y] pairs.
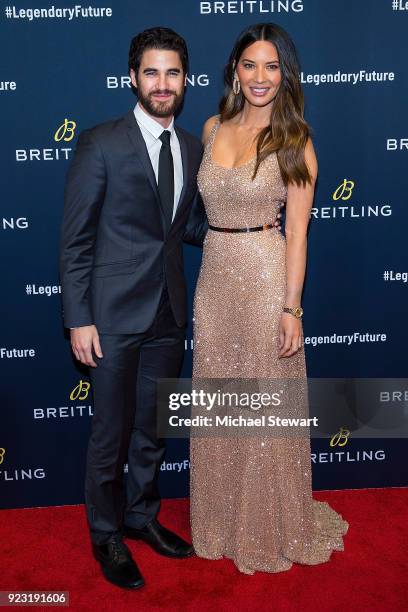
{"points": [[160, 109]]}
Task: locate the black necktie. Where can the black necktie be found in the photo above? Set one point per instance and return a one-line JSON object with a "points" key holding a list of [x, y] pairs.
{"points": [[165, 181]]}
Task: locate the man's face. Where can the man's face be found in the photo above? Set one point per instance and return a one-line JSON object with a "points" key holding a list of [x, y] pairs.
{"points": [[160, 82]]}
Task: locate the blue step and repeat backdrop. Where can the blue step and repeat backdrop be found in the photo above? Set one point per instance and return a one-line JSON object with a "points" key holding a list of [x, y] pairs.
{"points": [[64, 69]]}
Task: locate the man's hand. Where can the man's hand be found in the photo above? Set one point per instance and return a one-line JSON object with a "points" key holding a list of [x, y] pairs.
{"points": [[83, 340], [278, 222]]}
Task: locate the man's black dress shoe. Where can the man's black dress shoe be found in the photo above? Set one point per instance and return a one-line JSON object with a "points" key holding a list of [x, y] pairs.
{"points": [[162, 540], [117, 564]]}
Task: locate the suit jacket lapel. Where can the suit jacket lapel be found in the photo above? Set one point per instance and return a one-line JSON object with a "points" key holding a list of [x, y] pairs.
{"points": [[141, 150], [184, 160]]}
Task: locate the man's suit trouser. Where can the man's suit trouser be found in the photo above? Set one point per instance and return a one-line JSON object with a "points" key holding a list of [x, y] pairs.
{"points": [[124, 424]]}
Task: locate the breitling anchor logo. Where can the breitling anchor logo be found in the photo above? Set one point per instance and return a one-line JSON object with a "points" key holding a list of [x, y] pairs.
{"points": [[344, 190], [80, 391], [340, 438], [66, 131]]}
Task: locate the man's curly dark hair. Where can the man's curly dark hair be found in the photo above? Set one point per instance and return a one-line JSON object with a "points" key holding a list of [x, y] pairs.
{"points": [[157, 38]]}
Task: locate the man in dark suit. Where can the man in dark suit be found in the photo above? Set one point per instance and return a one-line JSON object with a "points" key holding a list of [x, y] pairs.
{"points": [[130, 200]]}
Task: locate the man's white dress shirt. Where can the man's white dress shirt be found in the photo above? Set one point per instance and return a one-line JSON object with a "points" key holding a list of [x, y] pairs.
{"points": [[151, 131]]}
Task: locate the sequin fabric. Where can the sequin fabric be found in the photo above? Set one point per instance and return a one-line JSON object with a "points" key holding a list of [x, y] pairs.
{"points": [[251, 497]]}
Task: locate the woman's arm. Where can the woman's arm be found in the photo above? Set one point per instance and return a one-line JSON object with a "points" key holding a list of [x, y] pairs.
{"points": [[298, 208]]}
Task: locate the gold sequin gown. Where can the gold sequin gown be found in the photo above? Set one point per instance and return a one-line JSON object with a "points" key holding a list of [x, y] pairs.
{"points": [[251, 497]]}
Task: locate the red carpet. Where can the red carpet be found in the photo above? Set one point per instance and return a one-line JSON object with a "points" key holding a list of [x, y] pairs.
{"points": [[48, 549]]}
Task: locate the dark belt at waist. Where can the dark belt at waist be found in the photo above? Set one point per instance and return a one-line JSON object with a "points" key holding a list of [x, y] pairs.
{"points": [[235, 230]]}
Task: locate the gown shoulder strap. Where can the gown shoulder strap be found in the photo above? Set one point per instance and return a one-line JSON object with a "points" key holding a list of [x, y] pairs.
{"points": [[213, 131]]}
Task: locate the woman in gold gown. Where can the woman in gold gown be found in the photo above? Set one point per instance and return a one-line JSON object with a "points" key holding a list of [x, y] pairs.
{"points": [[251, 496]]}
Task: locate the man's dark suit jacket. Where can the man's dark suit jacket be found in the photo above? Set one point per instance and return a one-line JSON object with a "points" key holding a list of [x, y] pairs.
{"points": [[116, 251]]}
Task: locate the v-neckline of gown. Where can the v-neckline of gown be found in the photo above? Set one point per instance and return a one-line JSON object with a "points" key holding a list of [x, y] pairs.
{"points": [[217, 125]]}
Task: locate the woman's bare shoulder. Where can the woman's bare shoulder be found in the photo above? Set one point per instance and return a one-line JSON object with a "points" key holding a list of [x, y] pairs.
{"points": [[310, 159], [208, 126]]}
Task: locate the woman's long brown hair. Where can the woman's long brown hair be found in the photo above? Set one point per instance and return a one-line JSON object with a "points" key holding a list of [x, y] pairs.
{"points": [[288, 131]]}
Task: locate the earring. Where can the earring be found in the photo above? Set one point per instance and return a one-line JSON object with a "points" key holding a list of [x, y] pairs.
{"points": [[236, 85]]}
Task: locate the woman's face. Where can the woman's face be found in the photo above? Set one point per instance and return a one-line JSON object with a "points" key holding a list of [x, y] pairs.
{"points": [[259, 72]]}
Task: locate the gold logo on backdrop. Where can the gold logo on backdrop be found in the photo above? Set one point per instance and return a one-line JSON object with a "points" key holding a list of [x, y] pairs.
{"points": [[66, 131], [2, 455], [344, 190], [340, 438], [80, 391]]}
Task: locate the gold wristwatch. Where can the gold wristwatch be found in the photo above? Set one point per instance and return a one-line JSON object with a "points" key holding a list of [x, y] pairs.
{"points": [[296, 312]]}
